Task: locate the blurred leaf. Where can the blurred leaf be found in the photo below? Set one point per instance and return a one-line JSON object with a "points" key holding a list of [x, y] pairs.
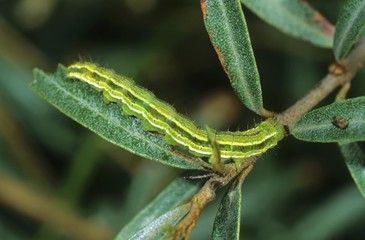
{"points": [[43, 122], [148, 179], [159, 211], [296, 18], [326, 221], [86, 106], [340, 121], [228, 32], [228, 220], [350, 25], [355, 161], [9, 233], [83, 165]]}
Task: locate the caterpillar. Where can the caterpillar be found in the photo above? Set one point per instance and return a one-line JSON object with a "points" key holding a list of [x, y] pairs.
{"points": [[178, 130]]}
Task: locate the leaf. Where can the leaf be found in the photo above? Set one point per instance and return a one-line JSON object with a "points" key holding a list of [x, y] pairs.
{"points": [[296, 18], [86, 106], [228, 32], [336, 214], [9, 233], [46, 124], [350, 25], [355, 161], [228, 220], [160, 226], [340, 121], [158, 211]]}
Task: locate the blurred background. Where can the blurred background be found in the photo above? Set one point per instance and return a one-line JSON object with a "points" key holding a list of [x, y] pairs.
{"points": [[58, 180]]}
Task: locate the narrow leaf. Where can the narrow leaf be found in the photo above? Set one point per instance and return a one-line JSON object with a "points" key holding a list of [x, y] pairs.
{"points": [[45, 124], [296, 18], [160, 226], [350, 25], [228, 32], [336, 214], [340, 121], [158, 210], [228, 220], [355, 161], [86, 106]]}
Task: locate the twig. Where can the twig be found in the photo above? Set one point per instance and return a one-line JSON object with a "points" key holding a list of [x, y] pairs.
{"points": [[206, 195], [40, 207], [339, 74]]}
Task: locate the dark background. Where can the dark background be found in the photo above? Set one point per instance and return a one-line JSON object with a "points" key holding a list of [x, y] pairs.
{"points": [[297, 191]]}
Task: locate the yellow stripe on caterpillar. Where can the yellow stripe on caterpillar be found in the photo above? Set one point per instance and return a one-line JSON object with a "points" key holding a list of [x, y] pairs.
{"points": [[161, 117]]}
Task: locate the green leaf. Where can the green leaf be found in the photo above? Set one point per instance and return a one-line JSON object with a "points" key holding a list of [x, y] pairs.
{"points": [[9, 233], [86, 106], [296, 18], [228, 220], [160, 226], [355, 161], [340, 121], [46, 124], [336, 214], [350, 25], [161, 211], [228, 32]]}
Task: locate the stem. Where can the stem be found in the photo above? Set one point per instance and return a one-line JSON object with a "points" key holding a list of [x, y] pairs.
{"points": [[206, 195], [339, 74]]}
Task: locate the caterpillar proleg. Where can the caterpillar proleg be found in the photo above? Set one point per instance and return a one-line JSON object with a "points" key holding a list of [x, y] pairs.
{"points": [[178, 130]]}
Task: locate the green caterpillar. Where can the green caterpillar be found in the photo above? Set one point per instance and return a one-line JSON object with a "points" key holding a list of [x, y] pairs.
{"points": [[161, 117]]}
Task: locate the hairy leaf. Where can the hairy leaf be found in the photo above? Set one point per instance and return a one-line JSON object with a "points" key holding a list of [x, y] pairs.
{"points": [[296, 18], [228, 220], [161, 209], [86, 106], [160, 226], [340, 121], [228, 32], [350, 25]]}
